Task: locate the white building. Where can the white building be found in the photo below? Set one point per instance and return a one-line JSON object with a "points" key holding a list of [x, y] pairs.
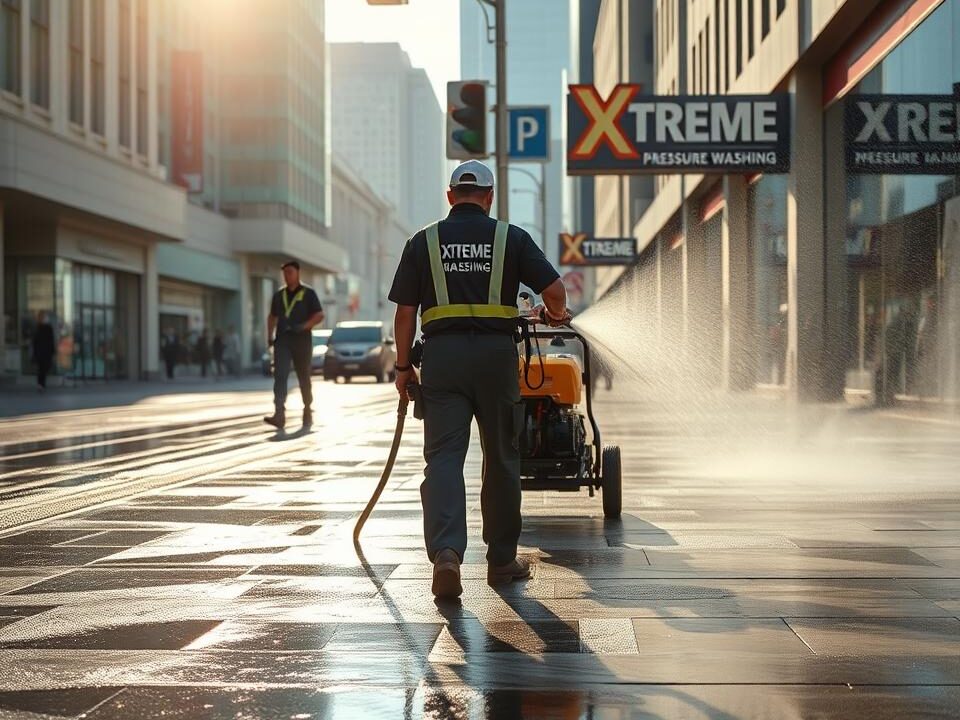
{"points": [[388, 125], [368, 228], [94, 233]]}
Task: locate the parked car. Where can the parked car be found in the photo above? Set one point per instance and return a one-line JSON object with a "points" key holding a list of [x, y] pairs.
{"points": [[321, 341], [359, 349]]}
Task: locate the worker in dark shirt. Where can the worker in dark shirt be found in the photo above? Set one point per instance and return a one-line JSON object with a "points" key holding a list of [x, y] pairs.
{"points": [[464, 274], [294, 312]]}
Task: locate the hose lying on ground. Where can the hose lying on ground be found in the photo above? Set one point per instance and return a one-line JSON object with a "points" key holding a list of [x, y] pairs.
{"points": [[387, 469]]}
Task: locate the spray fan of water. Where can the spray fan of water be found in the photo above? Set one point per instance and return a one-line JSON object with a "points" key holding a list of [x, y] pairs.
{"points": [[666, 397]]}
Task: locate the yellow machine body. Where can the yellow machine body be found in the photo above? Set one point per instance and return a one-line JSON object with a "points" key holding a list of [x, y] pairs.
{"points": [[562, 379]]}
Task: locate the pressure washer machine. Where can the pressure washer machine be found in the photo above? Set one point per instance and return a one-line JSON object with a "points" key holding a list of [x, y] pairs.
{"points": [[556, 450], [560, 443]]}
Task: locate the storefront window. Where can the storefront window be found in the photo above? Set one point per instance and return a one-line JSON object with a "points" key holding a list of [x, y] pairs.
{"points": [[35, 297], [899, 285], [767, 203], [95, 343]]}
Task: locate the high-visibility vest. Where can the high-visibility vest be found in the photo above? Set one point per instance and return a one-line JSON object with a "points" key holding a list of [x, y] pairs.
{"points": [[288, 305], [493, 308]]}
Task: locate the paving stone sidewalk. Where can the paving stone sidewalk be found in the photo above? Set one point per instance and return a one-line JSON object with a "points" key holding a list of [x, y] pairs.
{"points": [[764, 570]]}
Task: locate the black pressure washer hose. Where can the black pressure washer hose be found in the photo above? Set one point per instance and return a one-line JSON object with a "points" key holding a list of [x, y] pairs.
{"points": [[391, 459]]}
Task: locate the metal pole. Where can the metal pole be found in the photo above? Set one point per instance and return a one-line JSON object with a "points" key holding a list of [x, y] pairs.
{"points": [[543, 206], [503, 188]]}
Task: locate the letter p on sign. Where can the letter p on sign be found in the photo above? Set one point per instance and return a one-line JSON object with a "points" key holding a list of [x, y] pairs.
{"points": [[528, 127], [529, 133]]}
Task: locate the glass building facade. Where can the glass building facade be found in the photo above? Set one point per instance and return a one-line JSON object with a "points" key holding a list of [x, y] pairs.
{"points": [[94, 311], [767, 204], [900, 337], [274, 150]]}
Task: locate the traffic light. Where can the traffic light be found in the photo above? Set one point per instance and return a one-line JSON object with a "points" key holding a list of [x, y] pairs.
{"points": [[466, 119]]}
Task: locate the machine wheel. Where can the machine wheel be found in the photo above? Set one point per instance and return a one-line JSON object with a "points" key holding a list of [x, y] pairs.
{"points": [[611, 485]]}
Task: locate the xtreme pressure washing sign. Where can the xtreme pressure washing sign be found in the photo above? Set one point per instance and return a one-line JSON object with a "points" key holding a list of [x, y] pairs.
{"points": [[628, 133], [581, 249], [903, 134]]}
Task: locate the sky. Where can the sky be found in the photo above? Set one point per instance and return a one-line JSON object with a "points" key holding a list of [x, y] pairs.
{"points": [[429, 30]]}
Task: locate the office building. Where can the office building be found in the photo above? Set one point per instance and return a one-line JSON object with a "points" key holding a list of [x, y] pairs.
{"points": [[838, 278], [158, 161], [388, 125]]}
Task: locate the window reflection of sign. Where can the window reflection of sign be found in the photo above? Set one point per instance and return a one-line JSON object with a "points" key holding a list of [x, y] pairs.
{"points": [[903, 134]]}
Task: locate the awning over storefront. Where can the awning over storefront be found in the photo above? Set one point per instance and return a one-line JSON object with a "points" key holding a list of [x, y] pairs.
{"points": [[182, 263], [41, 164], [285, 239]]}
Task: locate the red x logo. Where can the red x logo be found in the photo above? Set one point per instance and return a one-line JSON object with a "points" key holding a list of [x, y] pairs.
{"points": [[573, 249], [604, 121]]}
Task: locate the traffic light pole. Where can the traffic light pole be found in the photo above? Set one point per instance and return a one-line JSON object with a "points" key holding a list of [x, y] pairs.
{"points": [[503, 183]]}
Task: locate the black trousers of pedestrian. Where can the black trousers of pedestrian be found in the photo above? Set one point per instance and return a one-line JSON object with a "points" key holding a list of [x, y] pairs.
{"points": [[298, 351], [466, 377], [43, 369], [171, 363]]}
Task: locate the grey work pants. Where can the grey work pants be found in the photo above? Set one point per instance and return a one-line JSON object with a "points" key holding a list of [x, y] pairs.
{"points": [[465, 377], [296, 349]]}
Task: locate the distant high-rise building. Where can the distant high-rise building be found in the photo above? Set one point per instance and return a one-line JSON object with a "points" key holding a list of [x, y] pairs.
{"points": [[266, 156], [387, 123]]}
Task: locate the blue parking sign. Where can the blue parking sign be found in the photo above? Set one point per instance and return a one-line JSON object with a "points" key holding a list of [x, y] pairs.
{"points": [[529, 133]]}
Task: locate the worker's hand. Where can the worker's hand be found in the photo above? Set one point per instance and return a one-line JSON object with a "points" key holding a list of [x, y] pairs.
{"points": [[404, 379], [561, 321], [544, 316]]}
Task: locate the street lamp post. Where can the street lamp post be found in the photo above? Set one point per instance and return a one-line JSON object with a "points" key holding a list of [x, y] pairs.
{"points": [[503, 166], [542, 195], [502, 136], [503, 201]]}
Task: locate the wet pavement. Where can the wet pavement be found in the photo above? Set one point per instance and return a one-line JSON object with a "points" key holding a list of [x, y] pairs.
{"points": [[768, 564]]}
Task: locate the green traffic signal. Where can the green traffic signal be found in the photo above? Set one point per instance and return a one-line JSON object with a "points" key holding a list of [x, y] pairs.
{"points": [[471, 140], [467, 119]]}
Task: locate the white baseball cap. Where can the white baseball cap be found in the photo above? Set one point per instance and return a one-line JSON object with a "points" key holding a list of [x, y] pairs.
{"points": [[472, 172]]}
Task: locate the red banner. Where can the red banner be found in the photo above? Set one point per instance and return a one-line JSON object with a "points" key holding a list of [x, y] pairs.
{"points": [[186, 138]]}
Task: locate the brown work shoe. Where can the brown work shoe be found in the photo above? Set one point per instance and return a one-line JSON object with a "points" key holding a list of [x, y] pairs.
{"points": [[446, 575], [276, 420], [516, 569]]}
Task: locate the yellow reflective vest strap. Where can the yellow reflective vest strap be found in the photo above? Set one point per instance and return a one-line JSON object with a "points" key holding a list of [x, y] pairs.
{"points": [[493, 308], [436, 265], [289, 305], [499, 253], [441, 312]]}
